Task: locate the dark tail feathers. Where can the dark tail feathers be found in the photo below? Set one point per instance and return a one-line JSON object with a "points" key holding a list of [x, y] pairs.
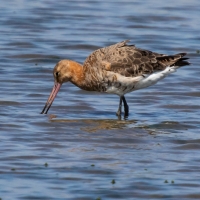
{"points": [[182, 61], [173, 60]]}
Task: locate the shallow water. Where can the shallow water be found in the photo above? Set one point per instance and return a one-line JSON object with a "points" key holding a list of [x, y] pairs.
{"points": [[80, 150]]}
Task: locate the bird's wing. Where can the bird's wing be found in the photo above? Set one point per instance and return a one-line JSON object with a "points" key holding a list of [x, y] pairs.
{"points": [[130, 61]]}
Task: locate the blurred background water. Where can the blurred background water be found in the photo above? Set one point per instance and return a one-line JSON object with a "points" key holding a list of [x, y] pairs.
{"points": [[80, 150]]}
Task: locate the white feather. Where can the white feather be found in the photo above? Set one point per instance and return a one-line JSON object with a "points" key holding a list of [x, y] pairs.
{"points": [[129, 84], [154, 78]]}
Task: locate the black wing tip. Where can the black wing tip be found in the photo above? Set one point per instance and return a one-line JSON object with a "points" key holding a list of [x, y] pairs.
{"points": [[183, 60]]}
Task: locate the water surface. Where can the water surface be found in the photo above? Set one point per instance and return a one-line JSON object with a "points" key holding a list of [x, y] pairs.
{"points": [[80, 150]]}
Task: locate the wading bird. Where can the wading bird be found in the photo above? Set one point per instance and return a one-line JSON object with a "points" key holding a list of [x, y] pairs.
{"points": [[116, 69]]}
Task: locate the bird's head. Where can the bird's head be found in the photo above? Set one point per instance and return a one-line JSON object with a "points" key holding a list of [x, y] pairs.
{"points": [[64, 71]]}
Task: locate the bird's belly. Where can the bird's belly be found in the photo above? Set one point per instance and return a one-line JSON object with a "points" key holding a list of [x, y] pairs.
{"points": [[154, 78], [122, 85], [125, 85]]}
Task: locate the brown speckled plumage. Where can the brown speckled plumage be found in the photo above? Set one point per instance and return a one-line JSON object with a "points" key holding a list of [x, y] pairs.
{"points": [[126, 60], [117, 69]]}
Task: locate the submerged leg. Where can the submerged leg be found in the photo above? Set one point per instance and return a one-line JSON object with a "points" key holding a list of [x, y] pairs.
{"points": [[126, 108], [118, 113]]}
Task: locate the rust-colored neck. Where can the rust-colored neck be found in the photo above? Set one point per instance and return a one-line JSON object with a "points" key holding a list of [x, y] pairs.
{"points": [[77, 74], [68, 70]]}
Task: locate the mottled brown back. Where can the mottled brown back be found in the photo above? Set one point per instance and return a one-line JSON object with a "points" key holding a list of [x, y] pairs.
{"points": [[130, 61]]}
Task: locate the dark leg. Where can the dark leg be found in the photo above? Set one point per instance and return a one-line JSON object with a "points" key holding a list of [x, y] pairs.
{"points": [[126, 108], [118, 113]]}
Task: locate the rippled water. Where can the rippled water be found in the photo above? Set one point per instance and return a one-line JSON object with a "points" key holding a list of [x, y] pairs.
{"points": [[80, 150]]}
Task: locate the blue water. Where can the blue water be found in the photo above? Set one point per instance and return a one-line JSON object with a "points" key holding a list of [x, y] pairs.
{"points": [[80, 150]]}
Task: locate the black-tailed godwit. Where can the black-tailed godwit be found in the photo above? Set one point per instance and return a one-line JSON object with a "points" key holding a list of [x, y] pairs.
{"points": [[116, 69]]}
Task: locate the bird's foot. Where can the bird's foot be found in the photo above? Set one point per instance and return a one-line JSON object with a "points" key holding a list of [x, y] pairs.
{"points": [[126, 115], [118, 113], [126, 112]]}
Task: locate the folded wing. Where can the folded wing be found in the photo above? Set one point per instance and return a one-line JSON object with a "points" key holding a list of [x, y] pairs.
{"points": [[130, 61]]}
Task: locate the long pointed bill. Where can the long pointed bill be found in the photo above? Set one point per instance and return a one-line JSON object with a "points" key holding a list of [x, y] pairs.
{"points": [[52, 96]]}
